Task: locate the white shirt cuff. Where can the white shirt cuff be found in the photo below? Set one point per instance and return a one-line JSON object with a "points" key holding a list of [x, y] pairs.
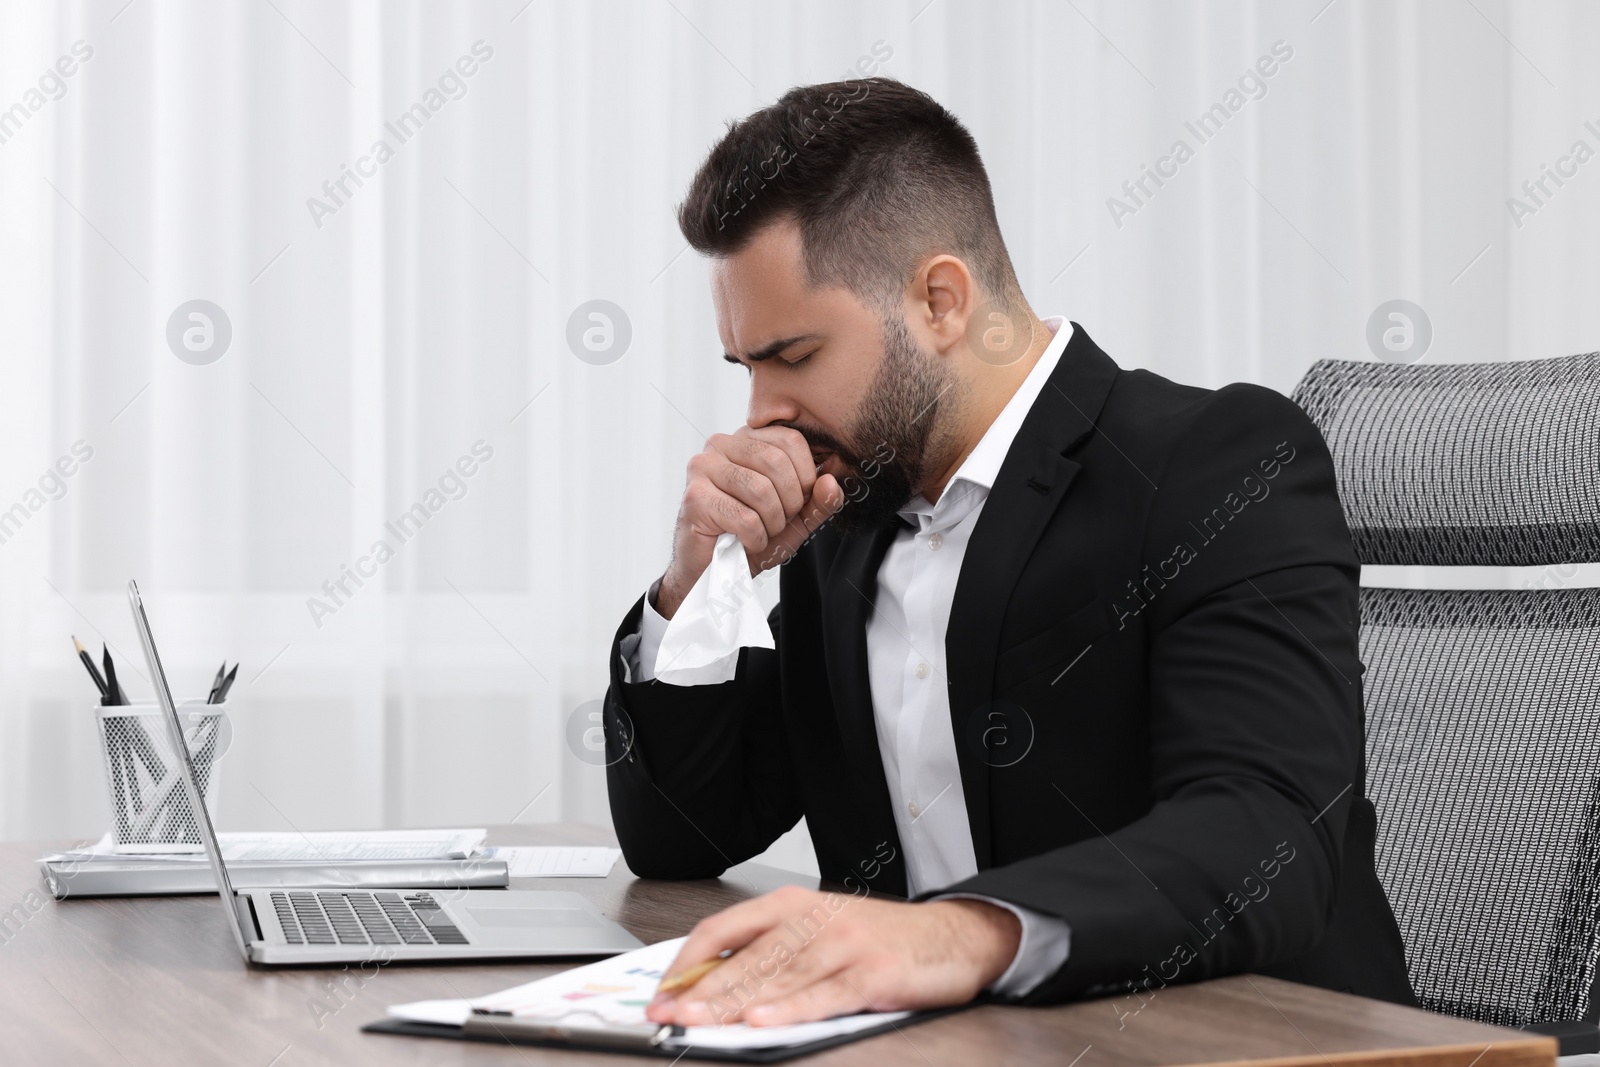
{"points": [[1044, 946], [639, 651]]}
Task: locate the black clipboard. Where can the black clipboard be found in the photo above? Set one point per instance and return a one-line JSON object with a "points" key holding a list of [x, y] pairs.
{"points": [[505, 1033]]}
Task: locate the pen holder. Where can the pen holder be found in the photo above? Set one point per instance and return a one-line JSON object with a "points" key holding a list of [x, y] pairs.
{"points": [[150, 809]]}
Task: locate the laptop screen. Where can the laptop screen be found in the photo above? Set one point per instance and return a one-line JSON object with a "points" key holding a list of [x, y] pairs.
{"points": [[169, 712]]}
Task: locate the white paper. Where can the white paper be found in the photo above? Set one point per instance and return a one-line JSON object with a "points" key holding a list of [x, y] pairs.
{"points": [[722, 613], [615, 992], [438, 1012], [557, 861], [741, 1036], [317, 845]]}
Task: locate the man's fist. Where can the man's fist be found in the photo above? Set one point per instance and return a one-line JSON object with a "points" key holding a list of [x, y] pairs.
{"points": [[760, 485]]}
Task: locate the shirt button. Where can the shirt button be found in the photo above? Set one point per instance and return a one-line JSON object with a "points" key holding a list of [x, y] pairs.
{"points": [[922, 670], [913, 809], [934, 541]]}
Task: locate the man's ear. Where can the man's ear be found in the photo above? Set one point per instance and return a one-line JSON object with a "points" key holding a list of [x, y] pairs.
{"points": [[943, 298]]}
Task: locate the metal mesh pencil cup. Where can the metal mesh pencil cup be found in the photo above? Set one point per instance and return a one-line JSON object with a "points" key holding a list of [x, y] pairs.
{"points": [[150, 809]]}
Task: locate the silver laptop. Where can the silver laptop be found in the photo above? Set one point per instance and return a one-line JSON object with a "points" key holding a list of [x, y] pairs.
{"points": [[321, 925]]}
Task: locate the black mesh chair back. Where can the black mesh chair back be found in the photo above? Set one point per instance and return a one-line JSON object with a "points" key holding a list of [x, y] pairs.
{"points": [[1482, 706]]}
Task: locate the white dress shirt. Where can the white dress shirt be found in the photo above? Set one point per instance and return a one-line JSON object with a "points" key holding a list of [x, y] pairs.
{"points": [[907, 673]]}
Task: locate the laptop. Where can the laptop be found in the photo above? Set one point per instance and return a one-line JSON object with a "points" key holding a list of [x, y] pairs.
{"points": [[286, 925]]}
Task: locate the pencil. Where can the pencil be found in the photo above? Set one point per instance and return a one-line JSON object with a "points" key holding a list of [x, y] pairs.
{"points": [[227, 684], [88, 661], [677, 983]]}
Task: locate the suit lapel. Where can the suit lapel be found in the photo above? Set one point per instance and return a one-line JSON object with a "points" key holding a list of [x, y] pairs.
{"points": [[1030, 487], [1031, 484]]}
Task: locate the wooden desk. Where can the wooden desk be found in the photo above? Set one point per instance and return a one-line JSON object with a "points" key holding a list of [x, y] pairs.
{"points": [[160, 981]]}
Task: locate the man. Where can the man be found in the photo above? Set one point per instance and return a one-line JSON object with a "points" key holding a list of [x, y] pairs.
{"points": [[1066, 653]]}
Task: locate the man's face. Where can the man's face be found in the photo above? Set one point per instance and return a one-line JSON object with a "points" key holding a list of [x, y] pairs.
{"points": [[865, 396]]}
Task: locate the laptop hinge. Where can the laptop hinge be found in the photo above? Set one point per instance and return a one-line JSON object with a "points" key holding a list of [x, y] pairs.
{"points": [[247, 914]]}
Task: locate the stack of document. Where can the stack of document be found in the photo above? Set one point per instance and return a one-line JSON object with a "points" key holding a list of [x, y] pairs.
{"points": [[556, 861], [413, 859]]}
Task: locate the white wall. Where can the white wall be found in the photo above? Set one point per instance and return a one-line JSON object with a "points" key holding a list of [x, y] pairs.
{"points": [[372, 351]]}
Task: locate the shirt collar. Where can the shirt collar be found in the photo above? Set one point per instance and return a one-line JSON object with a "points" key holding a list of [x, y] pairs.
{"points": [[982, 465]]}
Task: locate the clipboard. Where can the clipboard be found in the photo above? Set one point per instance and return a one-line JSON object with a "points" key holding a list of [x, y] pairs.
{"points": [[502, 1030], [600, 1007]]}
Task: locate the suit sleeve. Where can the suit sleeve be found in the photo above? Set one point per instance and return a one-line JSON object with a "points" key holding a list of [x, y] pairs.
{"points": [[699, 776], [1254, 720]]}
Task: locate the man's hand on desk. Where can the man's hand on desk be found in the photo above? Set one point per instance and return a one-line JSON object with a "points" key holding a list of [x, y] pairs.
{"points": [[759, 484], [800, 955]]}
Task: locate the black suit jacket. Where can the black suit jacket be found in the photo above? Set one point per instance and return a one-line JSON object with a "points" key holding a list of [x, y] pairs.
{"points": [[1155, 691]]}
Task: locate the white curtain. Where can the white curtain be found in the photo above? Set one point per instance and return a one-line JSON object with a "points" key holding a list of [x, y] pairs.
{"points": [[381, 333]]}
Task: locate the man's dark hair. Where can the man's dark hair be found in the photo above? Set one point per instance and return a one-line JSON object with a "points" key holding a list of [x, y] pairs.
{"points": [[878, 176]]}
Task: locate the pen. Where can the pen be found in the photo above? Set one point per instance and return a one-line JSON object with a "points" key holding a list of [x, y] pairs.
{"points": [[227, 683], [124, 776], [113, 687], [88, 662], [216, 683], [677, 983], [140, 749]]}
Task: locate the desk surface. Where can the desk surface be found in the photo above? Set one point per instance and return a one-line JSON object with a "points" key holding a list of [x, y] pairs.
{"points": [[158, 980]]}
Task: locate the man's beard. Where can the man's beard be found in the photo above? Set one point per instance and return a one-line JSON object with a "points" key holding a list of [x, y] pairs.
{"points": [[899, 433]]}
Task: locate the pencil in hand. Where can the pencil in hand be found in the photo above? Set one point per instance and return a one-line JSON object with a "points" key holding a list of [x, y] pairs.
{"points": [[681, 980]]}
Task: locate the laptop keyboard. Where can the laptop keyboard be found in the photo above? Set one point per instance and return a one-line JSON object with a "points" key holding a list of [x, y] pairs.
{"points": [[353, 917]]}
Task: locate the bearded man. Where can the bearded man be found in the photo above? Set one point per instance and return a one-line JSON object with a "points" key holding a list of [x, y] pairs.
{"points": [[1064, 653]]}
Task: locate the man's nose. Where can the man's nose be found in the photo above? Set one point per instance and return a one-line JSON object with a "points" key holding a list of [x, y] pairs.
{"points": [[769, 405]]}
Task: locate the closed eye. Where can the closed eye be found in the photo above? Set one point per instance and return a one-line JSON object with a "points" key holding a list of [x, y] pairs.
{"points": [[776, 349]]}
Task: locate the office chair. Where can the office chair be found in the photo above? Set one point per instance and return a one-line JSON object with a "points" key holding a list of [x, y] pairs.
{"points": [[1482, 706]]}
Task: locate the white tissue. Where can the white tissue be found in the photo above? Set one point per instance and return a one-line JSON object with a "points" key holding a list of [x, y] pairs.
{"points": [[721, 615]]}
